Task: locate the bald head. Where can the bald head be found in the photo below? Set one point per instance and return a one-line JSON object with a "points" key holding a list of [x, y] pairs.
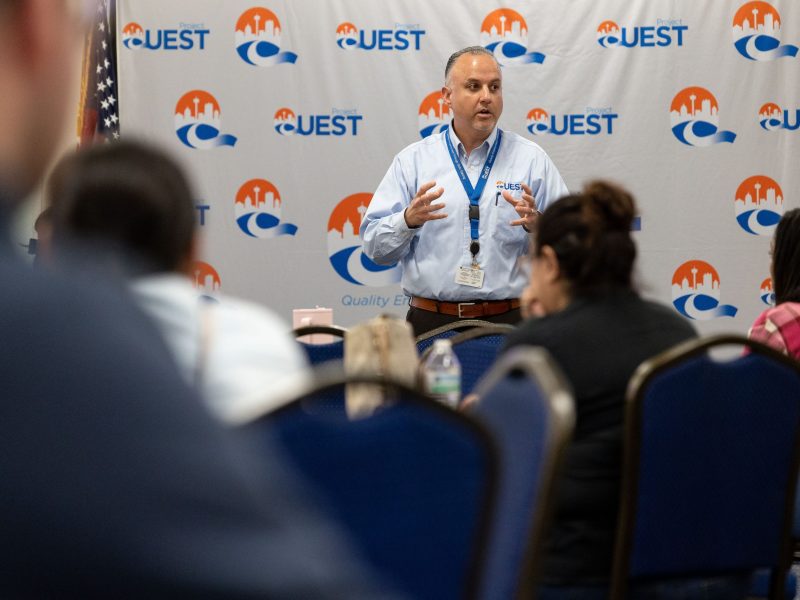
{"points": [[472, 50]]}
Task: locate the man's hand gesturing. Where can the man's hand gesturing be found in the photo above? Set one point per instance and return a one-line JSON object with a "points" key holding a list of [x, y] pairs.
{"points": [[421, 210], [525, 207]]}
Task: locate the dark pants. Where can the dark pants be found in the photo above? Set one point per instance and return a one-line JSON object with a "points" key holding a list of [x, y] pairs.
{"points": [[424, 320]]}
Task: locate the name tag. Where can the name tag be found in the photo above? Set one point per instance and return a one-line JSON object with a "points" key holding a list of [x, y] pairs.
{"points": [[469, 276]]}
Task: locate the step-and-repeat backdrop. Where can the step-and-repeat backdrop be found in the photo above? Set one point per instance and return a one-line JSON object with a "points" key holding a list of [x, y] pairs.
{"points": [[287, 115]]}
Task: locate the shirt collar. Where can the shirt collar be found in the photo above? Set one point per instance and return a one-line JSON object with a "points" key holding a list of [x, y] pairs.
{"points": [[487, 143]]}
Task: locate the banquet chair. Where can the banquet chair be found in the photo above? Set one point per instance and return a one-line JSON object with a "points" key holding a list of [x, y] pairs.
{"points": [[526, 405], [413, 484], [476, 349], [710, 465], [320, 353], [426, 340]]}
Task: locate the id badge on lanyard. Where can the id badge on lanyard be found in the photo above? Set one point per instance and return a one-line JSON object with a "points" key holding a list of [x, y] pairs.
{"points": [[473, 276]]}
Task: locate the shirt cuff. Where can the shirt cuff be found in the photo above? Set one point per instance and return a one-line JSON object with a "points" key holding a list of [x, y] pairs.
{"points": [[398, 224]]}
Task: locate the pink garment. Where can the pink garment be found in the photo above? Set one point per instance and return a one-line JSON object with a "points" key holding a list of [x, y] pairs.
{"points": [[779, 328]]}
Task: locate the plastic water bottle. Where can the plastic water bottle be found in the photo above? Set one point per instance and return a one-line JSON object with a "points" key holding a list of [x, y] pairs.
{"points": [[442, 374]]}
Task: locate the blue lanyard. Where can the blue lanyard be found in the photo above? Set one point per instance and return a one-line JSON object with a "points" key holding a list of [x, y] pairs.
{"points": [[474, 195]]}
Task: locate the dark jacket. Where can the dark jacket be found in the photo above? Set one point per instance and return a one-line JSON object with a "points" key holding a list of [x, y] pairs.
{"points": [[598, 343], [116, 482]]}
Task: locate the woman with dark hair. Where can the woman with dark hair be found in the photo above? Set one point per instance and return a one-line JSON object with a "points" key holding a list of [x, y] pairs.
{"points": [[598, 330], [779, 326]]}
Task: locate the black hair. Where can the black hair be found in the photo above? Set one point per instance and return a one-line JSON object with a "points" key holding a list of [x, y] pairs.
{"points": [[786, 258], [126, 196], [590, 235]]}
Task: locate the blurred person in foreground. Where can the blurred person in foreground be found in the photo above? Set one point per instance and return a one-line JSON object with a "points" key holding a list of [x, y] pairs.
{"points": [[115, 480], [598, 330], [130, 206], [779, 325]]}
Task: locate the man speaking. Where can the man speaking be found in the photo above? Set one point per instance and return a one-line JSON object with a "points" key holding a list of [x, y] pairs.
{"points": [[454, 208]]}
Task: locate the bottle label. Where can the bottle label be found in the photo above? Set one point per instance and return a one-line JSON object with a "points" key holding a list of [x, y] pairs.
{"points": [[445, 387]]}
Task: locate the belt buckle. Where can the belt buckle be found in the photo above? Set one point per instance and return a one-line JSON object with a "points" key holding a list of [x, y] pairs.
{"points": [[460, 304]]}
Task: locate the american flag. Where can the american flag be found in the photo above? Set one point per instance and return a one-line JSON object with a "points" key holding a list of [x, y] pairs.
{"points": [[98, 118]]}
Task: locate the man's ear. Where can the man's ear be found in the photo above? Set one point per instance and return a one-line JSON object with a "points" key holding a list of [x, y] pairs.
{"points": [[446, 92]]}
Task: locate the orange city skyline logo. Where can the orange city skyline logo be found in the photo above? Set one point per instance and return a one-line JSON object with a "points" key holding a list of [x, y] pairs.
{"points": [[696, 292], [258, 38], [504, 32], [772, 117], [206, 280], [285, 121], [257, 210], [608, 34], [347, 36], [759, 205], [767, 293], [434, 114], [756, 32], [694, 115], [133, 36], [198, 121], [344, 245], [538, 121]]}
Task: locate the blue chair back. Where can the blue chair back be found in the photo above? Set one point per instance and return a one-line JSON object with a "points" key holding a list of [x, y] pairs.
{"points": [[426, 340], [528, 409], [710, 465], [414, 485], [321, 353], [760, 582], [477, 350]]}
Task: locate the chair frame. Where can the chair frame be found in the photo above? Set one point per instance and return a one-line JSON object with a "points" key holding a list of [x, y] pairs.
{"points": [[637, 387], [330, 378], [537, 364], [333, 330], [461, 324], [471, 334]]}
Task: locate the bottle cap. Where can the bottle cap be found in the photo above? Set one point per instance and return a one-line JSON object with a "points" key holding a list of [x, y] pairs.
{"points": [[442, 344]]}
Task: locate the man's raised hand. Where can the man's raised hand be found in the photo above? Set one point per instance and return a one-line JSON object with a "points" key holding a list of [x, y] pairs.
{"points": [[422, 209]]}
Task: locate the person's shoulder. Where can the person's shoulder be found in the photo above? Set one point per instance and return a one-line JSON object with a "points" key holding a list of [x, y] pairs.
{"points": [[536, 331], [71, 320], [166, 291], [784, 308], [779, 328], [666, 315], [248, 328], [238, 312], [783, 313], [255, 364], [60, 296]]}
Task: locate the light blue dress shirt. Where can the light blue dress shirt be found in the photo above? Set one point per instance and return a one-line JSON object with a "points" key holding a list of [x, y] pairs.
{"points": [[431, 254]]}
